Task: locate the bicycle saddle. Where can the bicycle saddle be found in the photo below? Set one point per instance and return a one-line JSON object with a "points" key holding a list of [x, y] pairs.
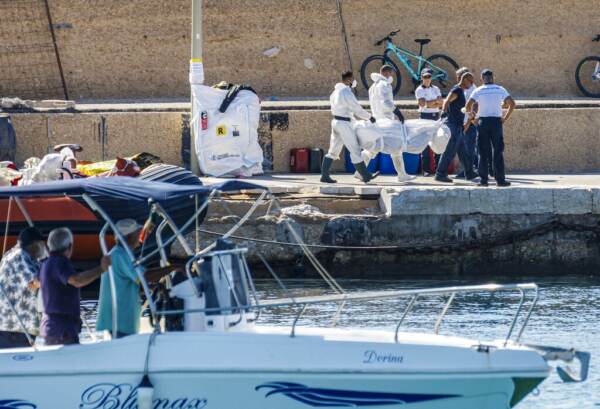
{"points": [[423, 41]]}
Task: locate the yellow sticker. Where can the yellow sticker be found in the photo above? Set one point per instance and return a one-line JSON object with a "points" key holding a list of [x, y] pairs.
{"points": [[196, 60], [221, 130]]}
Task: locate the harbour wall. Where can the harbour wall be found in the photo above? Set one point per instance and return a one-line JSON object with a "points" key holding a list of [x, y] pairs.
{"points": [[444, 232], [543, 139], [141, 48]]}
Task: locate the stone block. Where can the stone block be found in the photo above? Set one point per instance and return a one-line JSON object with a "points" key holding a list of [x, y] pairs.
{"points": [[438, 201], [596, 201], [573, 200], [336, 190], [524, 200], [367, 190]]}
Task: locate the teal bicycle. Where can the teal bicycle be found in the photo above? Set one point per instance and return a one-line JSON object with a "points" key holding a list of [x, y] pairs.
{"points": [[442, 67]]}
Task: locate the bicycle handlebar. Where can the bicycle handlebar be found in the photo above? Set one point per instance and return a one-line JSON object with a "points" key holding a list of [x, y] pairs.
{"points": [[387, 37]]}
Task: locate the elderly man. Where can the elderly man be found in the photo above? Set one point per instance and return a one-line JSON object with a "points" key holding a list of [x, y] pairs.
{"points": [[60, 285], [490, 99], [19, 271], [344, 107], [127, 284]]}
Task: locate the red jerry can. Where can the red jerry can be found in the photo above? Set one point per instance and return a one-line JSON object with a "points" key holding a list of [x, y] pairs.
{"points": [[300, 160]]}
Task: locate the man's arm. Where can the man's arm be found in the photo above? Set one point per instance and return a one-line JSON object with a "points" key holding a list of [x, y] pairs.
{"points": [[451, 97], [510, 103], [87, 277], [355, 107]]}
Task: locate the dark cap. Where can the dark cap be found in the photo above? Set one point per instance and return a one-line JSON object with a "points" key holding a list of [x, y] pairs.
{"points": [[487, 73], [29, 236], [426, 72]]}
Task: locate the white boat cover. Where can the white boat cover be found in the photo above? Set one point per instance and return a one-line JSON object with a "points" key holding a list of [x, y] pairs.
{"points": [[229, 144]]}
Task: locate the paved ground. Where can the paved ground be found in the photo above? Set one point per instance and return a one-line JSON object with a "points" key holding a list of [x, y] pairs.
{"points": [[347, 184]]}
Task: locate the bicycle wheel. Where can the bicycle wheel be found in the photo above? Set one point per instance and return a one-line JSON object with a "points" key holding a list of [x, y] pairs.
{"points": [[373, 64], [587, 76], [444, 71]]}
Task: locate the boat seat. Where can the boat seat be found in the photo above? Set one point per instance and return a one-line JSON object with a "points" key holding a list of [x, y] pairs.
{"points": [[423, 41]]}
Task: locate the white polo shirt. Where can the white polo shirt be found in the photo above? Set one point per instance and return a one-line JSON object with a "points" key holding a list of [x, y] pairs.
{"points": [[431, 93], [490, 98]]}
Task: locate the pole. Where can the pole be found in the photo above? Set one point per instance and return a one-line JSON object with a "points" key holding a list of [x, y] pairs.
{"points": [[196, 58]]}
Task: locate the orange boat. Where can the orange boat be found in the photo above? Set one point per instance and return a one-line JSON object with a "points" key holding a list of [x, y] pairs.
{"points": [[47, 213]]}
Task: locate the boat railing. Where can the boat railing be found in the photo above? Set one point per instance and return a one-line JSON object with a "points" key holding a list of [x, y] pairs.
{"points": [[528, 293]]}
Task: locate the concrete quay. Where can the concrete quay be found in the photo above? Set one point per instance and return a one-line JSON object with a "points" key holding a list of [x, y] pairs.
{"points": [[543, 224]]}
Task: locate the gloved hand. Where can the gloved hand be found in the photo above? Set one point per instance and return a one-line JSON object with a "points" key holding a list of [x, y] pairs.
{"points": [[399, 115], [372, 119]]}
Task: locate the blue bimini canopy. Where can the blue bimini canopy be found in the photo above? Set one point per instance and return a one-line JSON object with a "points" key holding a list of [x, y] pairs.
{"points": [[121, 188], [120, 197]]}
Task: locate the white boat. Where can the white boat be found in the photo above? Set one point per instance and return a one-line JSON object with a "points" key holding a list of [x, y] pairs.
{"points": [[222, 357]]}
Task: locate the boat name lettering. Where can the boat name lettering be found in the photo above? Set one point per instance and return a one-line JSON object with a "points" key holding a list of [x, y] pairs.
{"points": [[374, 357], [124, 396]]}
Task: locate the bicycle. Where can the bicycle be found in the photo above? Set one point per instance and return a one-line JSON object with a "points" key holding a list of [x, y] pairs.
{"points": [[441, 66], [587, 74]]}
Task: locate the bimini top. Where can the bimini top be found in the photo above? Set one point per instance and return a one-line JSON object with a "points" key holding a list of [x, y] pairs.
{"points": [[122, 188]]}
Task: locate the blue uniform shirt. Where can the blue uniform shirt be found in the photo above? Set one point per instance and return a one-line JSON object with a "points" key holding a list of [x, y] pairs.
{"points": [[128, 295]]}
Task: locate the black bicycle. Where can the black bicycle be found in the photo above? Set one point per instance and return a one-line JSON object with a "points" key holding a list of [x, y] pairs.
{"points": [[442, 67], [587, 74]]}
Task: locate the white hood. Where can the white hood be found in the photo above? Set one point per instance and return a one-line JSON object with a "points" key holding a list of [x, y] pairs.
{"points": [[375, 77], [339, 86]]}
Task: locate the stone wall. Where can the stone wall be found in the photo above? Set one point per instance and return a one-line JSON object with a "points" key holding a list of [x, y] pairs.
{"points": [[140, 48], [537, 140]]}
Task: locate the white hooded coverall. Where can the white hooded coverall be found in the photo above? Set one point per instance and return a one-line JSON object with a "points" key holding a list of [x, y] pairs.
{"points": [[381, 98], [344, 104]]}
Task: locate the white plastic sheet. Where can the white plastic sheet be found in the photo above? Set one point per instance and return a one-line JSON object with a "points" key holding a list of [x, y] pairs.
{"points": [[393, 137], [229, 144]]}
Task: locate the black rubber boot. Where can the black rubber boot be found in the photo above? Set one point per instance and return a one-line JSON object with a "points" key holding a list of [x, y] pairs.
{"points": [[364, 173], [325, 167]]}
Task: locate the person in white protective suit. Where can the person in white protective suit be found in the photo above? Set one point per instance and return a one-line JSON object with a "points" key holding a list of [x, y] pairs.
{"points": [[381, 99], [344, 107]]}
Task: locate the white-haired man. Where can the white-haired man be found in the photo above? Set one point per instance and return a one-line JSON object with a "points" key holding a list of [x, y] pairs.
{"points": [[60, 285]]}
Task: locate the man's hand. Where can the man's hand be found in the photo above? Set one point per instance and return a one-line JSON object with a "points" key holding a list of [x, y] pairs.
{"points": [[105, 262], [33, 284], [372, 119]]}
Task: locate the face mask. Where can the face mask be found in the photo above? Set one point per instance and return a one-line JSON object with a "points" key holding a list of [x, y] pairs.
{"points": [[354, 84], [390, 80]]}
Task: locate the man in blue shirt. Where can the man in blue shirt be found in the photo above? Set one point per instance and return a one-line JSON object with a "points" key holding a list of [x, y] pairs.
{"points": [[490, 99], [127, 284], [60, 285], [453, 105]]}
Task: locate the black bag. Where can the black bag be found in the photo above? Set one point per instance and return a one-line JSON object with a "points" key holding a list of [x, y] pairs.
{"points": [[316, 160]]}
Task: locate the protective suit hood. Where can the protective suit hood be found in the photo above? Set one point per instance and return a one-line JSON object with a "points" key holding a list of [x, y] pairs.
{"points": [[339, 86], [375, 77]]}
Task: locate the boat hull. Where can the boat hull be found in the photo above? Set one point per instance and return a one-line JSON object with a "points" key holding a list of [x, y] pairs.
{"points": [[196, 370]]}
